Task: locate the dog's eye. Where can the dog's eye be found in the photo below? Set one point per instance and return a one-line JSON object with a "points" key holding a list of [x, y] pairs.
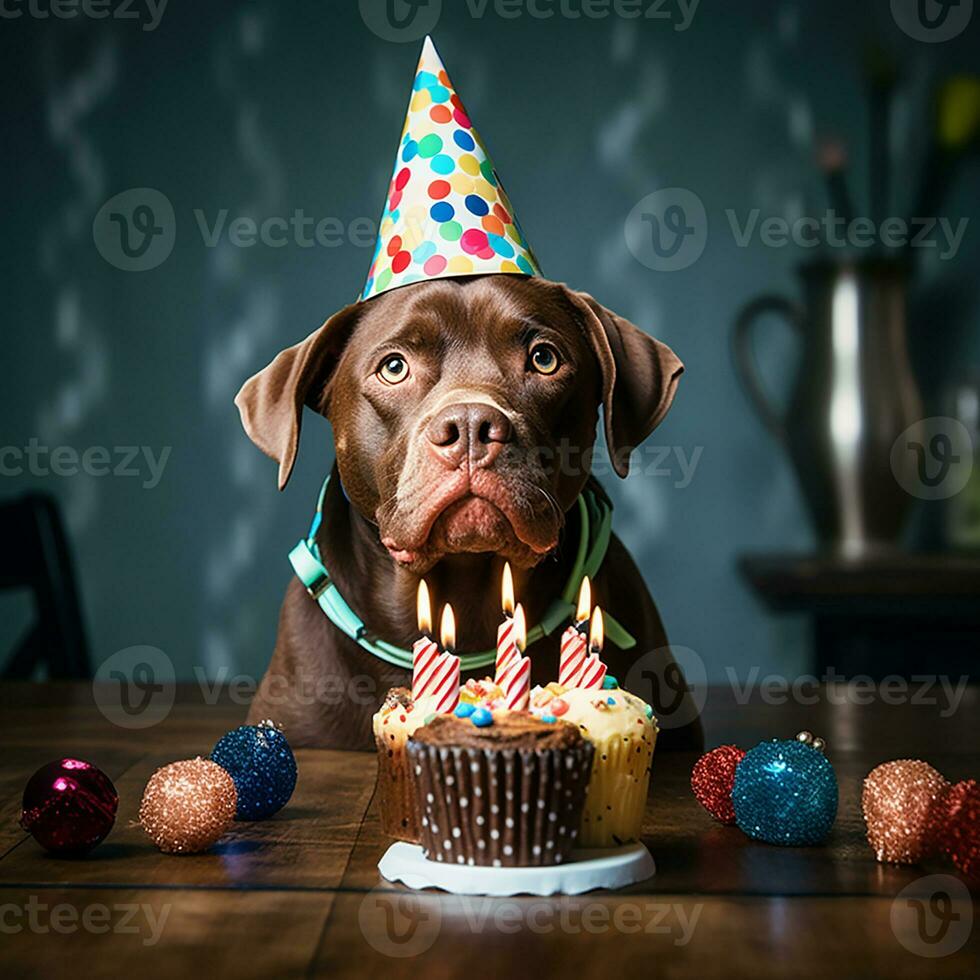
{"points": [[393, 369], [544, 359]]}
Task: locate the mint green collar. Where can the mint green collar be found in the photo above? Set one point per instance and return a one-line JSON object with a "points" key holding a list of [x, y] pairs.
{"points": [[595, 514]]}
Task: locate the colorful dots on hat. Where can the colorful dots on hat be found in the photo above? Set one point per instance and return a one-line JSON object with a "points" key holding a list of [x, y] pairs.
{"points": [[460, 265], [501, 246], [435, 266], [424, 251], [443, 164], [476, 205], [430, 145], [451, 231], [474, 240], [442, 211], [446, 213]]}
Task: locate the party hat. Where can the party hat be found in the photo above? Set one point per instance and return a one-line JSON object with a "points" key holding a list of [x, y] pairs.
{"points": [[446, 212]]}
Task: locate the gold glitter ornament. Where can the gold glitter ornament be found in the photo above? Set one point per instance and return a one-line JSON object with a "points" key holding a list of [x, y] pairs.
{"points": [[904, 808], [188, 805]]}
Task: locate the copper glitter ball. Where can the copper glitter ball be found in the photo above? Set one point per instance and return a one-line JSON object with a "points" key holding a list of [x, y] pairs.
{"points": [[188, 805], [904, 807]]}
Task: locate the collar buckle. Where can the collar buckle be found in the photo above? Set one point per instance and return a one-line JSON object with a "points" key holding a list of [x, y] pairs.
{"points": [[318, 586]]}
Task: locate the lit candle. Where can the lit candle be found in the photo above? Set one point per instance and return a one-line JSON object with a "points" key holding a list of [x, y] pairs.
{"points": [[446, 685], [506, 647], [425, 652], [515, 679], [594, 671], [574, 642]]}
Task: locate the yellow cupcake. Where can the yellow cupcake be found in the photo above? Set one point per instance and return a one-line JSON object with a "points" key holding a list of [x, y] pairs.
{"points": [[623, 730], [395, 721]]}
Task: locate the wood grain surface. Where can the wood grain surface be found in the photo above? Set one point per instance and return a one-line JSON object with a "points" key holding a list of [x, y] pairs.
{"points": [[300, 895]]}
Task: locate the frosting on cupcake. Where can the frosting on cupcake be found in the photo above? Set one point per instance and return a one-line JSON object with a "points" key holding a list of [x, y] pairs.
{"points": [[510, 730], [601, 714], [400, 715]]}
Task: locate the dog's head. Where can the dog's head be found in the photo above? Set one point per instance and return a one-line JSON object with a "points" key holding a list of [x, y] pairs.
{"points": [[464, 410]]}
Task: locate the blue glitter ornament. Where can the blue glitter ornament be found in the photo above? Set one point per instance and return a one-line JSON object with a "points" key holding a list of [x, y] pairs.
{"points": [[261, 764], [785, 792]]}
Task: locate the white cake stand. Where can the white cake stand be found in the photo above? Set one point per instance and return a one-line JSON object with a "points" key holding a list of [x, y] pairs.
{"points": [[587, 870]]}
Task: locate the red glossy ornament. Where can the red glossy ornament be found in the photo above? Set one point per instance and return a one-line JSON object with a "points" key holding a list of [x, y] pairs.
{"points": [[69, 806], [962, 833], [712, 779]]}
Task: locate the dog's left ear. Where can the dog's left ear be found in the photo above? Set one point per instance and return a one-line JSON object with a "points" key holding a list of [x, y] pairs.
{"points": [[639, 377], [271, 402]]}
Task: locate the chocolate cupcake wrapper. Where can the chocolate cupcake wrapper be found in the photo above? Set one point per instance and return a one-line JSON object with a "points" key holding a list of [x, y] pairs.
{"points": [[399, 807], [503, 807], [614, 808]]}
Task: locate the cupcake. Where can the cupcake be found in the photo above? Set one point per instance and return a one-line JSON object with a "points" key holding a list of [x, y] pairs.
{"points": [[502, 788], [394, 722], [623, 730]]}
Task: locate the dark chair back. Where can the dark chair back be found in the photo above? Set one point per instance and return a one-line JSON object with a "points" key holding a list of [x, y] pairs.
{"points": [[34, 555]]}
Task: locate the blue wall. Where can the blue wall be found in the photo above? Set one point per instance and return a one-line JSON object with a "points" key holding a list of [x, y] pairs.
{"points": [[266, 108]]}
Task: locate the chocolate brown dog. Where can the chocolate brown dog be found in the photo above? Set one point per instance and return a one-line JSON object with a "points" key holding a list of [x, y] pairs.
{"points": [[464, 414]]}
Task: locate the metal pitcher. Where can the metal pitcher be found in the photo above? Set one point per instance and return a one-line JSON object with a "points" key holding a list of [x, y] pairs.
{"points": [[854, 395]]}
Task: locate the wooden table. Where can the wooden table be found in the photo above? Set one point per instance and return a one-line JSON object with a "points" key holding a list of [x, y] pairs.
{"points": [[299, 895]]}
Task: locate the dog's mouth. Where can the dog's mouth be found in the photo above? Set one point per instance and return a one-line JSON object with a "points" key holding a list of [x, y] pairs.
{"points": [[472, 516]]}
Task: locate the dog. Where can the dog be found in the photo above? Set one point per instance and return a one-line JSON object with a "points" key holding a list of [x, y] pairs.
{"points": [[464, 412]]}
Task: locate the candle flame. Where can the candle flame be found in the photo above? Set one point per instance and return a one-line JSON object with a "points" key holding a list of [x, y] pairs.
{"points": [[596, 631], [520, 628], [424, 607], [507, 590], [584, 601], [447, 628]]}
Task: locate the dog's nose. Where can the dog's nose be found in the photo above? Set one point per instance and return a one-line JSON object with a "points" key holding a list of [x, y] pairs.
{"points": [[474, 433]]}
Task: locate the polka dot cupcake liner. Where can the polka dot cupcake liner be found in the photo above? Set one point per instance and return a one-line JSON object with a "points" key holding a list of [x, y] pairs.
{"points": [[501, 808], [446, 212]]}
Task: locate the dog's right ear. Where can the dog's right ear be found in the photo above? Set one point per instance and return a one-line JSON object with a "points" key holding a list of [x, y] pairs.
{"points": [[271, 402]]}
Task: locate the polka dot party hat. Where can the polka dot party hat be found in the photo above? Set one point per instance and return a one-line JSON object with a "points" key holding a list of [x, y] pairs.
{"points": [[446, 212]]}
